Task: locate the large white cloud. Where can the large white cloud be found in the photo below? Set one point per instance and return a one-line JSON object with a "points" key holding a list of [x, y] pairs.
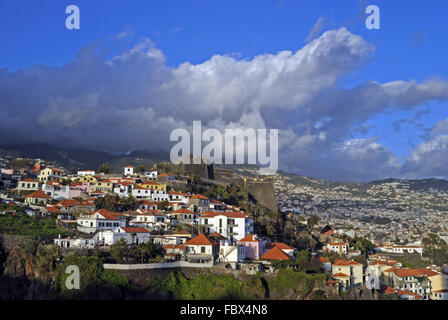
{"points": [[134, 101]]}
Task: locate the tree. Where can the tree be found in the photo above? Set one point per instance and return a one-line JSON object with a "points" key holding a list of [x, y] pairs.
{"points": [[120, 251], [20, 164], [130, 203], [435, 248], [140, 169], [312, 220], [163, 205], [105, 168]]}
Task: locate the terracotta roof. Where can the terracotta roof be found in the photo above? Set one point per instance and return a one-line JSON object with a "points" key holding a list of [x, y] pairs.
{"points": [[151, 212], [211, 214], [281, 245], [345, 263], [52, 209], [183, 210], [148, 203], [135, 229], [109, 215], [249, 238], [38, 194], [29, 180], [275, 254], [322, 259], [217, 236], [69, 203], [199, 196], [201, 240], [428, 272], [341, 275], [409, 272]]}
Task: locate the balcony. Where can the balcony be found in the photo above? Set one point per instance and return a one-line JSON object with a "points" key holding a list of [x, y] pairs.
{"points": [[232, 225]]}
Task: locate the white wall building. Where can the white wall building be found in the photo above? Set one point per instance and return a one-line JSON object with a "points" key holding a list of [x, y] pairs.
{"points": [[232, 225], [101, 220]]}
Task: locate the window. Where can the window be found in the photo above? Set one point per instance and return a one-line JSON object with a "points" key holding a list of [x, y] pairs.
{"points": [[202, 249]]}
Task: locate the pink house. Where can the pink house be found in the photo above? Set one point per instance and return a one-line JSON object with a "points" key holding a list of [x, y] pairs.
{"points": [[82, 186], [255, 247]]}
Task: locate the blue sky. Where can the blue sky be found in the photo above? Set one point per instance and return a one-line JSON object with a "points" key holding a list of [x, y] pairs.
{"points": [[411, 44]]}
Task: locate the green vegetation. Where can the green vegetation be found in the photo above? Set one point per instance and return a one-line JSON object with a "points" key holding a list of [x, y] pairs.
{"points": [[113, 202], [34, 227], [96, 282], [121, 252], [105, 168], [140, 169], [204, 287], [435, 249], [289, 283]]}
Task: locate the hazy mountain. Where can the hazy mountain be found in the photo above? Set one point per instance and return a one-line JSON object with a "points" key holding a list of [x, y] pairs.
{"points": [[81, 159]]}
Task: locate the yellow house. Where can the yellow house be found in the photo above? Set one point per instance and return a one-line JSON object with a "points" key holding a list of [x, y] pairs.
{"points": [[88, 178], [350, 273], [37, 197], [49, 174], [438, 281], [104, 185], [151, 185]]}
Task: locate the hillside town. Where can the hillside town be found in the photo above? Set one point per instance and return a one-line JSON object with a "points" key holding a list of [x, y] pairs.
{"points": [[221, 235]]}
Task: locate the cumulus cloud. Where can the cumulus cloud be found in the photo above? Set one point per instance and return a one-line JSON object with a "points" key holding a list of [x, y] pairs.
{"points": [[134, 100], [316, 29]]}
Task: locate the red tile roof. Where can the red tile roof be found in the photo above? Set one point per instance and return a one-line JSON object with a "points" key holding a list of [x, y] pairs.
{"points": [[211, 214], [281, 245], [249, 238], [217, 236], [135, 229], [408, 272], [199, 196], [341, 275], [345, 263], [201, 240], [183, 210], [275, 254], [109, 215], [69, 203], [38, 194], [29, 180]]}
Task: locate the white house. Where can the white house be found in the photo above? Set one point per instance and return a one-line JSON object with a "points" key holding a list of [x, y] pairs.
{"points": [[339, 247], [101, 220], [150, 174], [56, 190], [232, 225], [86, 173], [148, 194], [132, 235], [28, 185], [149, 216], [123, 189], [201, 249], [128, 171], [146, 204], [75, 243], [178, 196]]}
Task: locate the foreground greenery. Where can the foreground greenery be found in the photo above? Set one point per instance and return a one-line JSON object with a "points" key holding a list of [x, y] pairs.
{"points": [[35, 227]]}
